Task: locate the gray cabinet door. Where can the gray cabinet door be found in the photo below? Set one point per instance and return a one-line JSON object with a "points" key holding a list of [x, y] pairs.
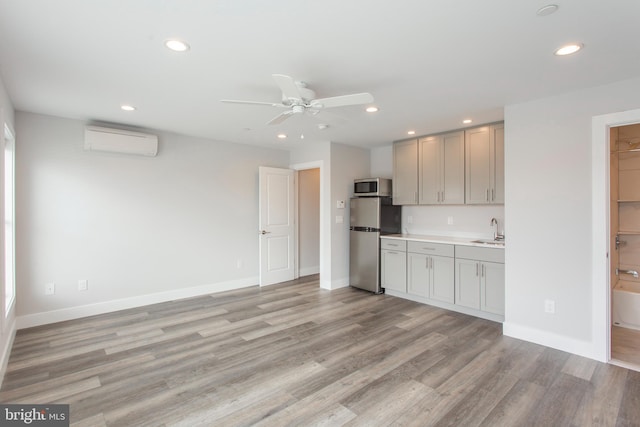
{"points": [[497, 143], [430, 170], [492, 288], [418, 274], [393, 272], [467, 283], [478, 165], [452, 180], [441, 286], [405, 172]]}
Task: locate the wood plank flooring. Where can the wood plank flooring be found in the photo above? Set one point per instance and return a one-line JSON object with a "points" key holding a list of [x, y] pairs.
{"points": [[295, 354], [625, 345]]}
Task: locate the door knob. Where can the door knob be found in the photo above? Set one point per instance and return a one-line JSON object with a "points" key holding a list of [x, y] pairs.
{"points": [[264, 232]]}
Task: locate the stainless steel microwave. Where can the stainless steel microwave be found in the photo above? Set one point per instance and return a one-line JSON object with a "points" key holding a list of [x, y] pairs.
{"points": [[372, 187]]}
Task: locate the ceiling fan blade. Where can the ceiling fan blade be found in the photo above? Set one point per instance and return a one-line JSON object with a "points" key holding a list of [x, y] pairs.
{"points": [[343, 100], [287, 86], [280, 117], [234, 101]]}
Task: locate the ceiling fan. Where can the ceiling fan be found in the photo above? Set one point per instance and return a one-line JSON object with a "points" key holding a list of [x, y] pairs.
{"points": [[297, 98]]}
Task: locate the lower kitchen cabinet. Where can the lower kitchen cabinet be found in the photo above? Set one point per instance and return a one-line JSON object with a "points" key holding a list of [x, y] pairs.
{"points": [[393, 265], [480, 279], [467, 279], [492, 288], [430, 276]]}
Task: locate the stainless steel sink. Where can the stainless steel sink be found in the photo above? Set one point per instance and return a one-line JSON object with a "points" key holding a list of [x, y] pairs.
{"points": [[489, 242]]}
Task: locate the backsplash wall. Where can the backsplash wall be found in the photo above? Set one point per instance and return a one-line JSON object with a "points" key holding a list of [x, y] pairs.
{"points": [[468, 220]]}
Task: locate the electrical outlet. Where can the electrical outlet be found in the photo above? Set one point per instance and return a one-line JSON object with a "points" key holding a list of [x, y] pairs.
{"points": [[450, 220], [50, 289], [549, 306], [83, 285], [340, 204], [410, 219]]}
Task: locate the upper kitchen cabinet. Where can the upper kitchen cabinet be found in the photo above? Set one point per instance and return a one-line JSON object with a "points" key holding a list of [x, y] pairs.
{"points": [[405, 172], [484, 165], [441, 169]]}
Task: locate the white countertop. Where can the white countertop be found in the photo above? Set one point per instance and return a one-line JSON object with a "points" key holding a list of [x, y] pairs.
{"points": [[467, 241]]}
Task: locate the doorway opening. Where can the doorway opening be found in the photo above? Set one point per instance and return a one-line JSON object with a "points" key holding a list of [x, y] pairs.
{"points": [[624, 243], [308, 222]]}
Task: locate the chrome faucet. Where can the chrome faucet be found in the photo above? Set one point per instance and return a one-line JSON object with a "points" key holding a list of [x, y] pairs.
{"points": [[496, 234]]}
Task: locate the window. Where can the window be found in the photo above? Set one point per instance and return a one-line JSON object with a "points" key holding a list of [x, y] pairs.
{"points": [[9, 223]]}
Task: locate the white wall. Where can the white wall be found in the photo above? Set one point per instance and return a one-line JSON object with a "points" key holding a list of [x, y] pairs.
{"points": [[309, 221], [382, 162], [139, 229], [347, 163], [7, 320], [468, 221], [548, 156]]}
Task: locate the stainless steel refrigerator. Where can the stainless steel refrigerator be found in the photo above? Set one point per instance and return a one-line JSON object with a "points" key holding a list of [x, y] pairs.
{"points": [[371, 217]]}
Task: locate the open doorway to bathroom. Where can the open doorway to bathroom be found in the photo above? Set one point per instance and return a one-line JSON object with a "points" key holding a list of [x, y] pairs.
{"points": [[624, 156]]}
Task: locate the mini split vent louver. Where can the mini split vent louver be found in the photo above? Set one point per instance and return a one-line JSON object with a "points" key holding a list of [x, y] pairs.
{"points": [[120, 141]]}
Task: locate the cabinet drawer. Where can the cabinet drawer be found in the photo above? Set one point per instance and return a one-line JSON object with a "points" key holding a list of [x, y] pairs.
{"points": [[430, 248], [480, 254], [393, 244]]}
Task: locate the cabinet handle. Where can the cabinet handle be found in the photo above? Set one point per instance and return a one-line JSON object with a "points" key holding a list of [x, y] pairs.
{"points": [[477, 272], [493, 197], [415, 197], [392, 244], [442, 200], [391, 252], [429, 249], [487, 194], [482, 271]]}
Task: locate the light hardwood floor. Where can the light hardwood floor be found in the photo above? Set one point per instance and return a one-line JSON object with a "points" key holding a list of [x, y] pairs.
{"points": [[625, 345], [295, 354]]}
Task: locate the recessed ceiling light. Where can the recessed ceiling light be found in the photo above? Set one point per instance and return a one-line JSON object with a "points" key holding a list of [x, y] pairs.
{"points": [[176, 45], [126, 107], [568, 49], [282, 136], [411, 132], [371, 109], [467, 121], [322, 126], [547, 10]]}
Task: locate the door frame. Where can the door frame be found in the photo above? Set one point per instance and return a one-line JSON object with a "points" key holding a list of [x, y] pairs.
{"points": [[600, 208], [325, 238]]}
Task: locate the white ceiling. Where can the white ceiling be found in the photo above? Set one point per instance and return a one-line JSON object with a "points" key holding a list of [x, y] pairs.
{"points": [[428, 63]]}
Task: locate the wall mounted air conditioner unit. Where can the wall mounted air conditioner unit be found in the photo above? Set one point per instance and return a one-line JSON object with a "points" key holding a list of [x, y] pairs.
{"points": [[119, 141]]}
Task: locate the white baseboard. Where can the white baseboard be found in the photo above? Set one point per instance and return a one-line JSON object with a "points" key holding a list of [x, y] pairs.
{"points": [[37, 319], [308, 271], [334, 284], [549, 339], [6, 351]]}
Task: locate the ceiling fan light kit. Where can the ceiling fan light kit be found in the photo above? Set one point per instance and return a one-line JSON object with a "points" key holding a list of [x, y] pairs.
{"points": [[297, 98]]}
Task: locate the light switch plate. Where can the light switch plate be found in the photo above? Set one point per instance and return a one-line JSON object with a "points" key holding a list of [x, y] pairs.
{"points": [[339, 219]]}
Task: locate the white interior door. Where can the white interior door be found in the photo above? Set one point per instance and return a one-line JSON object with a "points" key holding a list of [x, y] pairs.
{"points": [[277, 225]]}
